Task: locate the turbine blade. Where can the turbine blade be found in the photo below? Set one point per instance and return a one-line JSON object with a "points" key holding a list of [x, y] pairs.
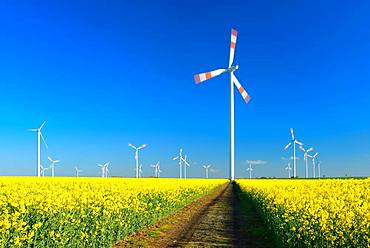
{"points": [[298, 142], [310, 149], [302, 149], [42, 125], [288, 145], [234, 34], [175, 158], [292, 133], [242, 91], [141, 147], [32, 130], [42, 136], [315, 155], [132, 146], [207, 75], [50, 159]]}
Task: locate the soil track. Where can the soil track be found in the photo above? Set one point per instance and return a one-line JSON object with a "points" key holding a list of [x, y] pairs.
{"points": [[224, 218]]}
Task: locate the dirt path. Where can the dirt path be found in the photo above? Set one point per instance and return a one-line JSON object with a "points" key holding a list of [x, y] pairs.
{"points": [[225, 224], [224, 218]]}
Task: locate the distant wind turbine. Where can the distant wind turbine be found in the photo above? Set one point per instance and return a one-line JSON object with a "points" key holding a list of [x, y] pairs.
{"points": [[288, 168], [250, 169], [156, 169], [254, 162], [305, 157], [140, 170], [39, 135], [233, 81], [78, 171], [180, 158], [206, 167], [293, 142], [52, 165], [319, 169], [186, 164], [104, 169], [43, 169], [137, 156], [313, 163]]}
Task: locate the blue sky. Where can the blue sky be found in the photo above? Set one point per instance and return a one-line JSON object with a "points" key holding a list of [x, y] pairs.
{"points": [[107, 73]]}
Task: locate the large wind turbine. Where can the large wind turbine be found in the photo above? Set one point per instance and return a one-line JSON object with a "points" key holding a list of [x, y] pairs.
{"points": [[179, 157], [233, 80], [52, 165], [39, 135], [305, 157], [137, 156], [294, 141]]}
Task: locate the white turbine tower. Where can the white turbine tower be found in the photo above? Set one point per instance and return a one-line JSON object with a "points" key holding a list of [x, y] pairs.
{"points": [[43, 169], [78, 171], [186, 164], [250, 169], [104, 169], [39, 136], [52, 165], [180, 158], [233, 80], [137, 156], [156, 169], [294, 141], [305, 157], [288, 168], [206, 167]]}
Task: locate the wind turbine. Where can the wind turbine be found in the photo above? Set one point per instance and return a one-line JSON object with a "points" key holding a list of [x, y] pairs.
{"points": [[294, 141], [250, 170], [39, 135], [137, 156], [233, 80], [288, 168], [156, 169], [104, 169], [52, 165], [140, 170], [206, 167], [43, 169], [305, 157], [319, 169], [185, 165], [180, 160], [313, 164], [77, 172], [254, 162]]}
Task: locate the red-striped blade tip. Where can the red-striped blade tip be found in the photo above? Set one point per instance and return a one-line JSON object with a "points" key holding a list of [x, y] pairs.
{"points": [[247, 99], [234, 32], [197, 79]]}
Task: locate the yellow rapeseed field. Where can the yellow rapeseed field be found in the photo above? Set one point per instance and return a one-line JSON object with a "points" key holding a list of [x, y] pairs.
{"points": [[314, 213], [87, 212]]}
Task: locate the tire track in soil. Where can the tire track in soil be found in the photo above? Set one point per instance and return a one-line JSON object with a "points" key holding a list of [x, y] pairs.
{"points": [[224, 224]]}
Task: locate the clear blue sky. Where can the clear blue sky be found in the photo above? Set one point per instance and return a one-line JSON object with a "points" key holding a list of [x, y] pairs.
{"points": [[107, 73]]}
